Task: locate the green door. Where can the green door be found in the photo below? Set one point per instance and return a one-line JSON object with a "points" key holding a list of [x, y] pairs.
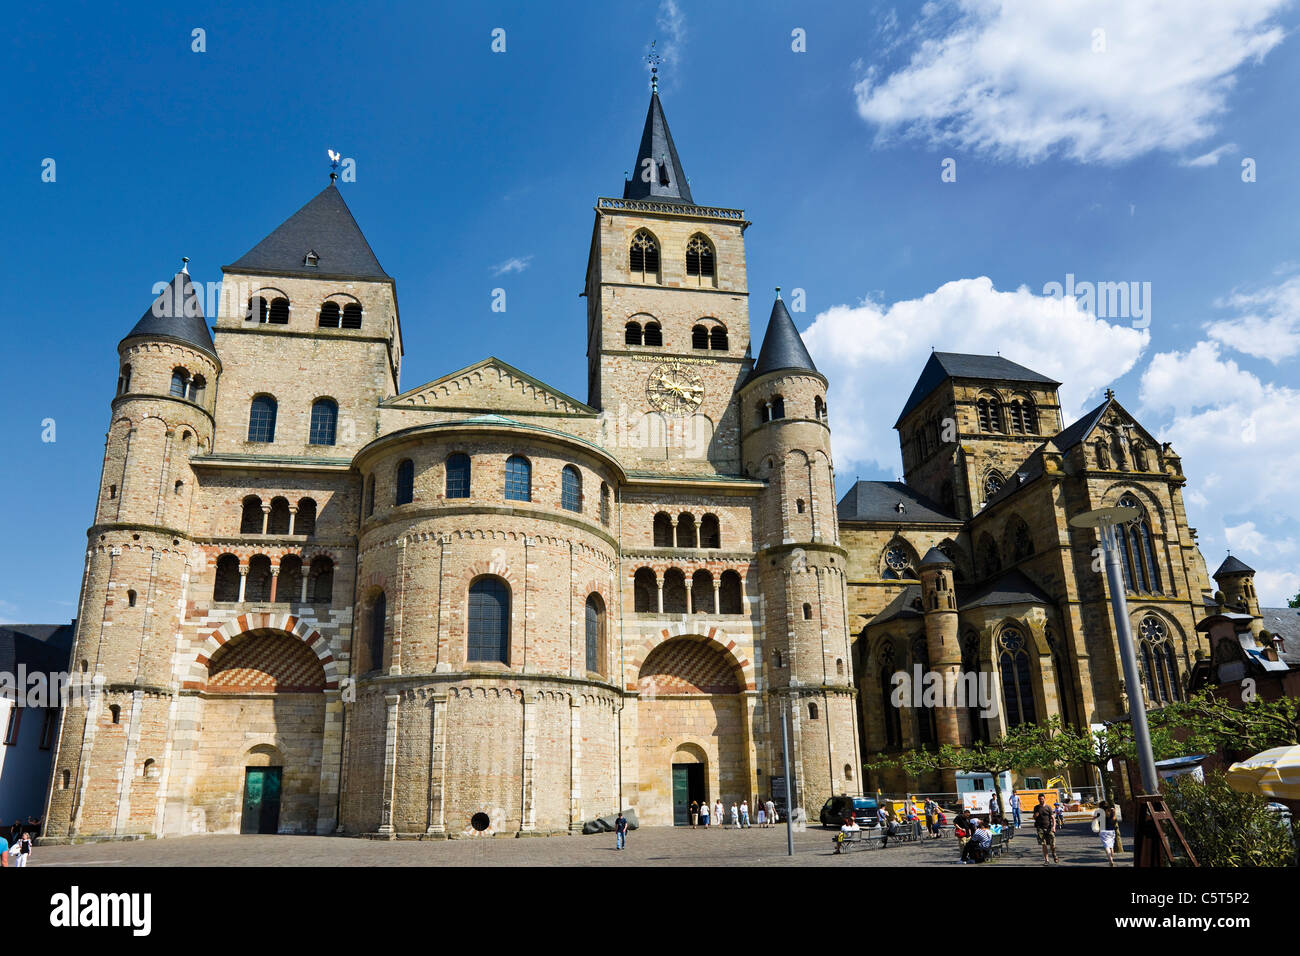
{"points": [[261, 800], [681, 794]]}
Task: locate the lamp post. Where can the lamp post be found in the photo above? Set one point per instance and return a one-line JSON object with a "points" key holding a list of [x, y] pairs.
{"points": [[1109, 522]]}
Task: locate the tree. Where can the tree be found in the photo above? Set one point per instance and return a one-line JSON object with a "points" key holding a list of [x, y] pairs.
{"points": [[1082, 746], [1295, 601], [1225, 827], [1216, 723]]}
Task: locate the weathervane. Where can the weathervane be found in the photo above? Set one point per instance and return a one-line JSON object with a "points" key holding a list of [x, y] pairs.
{"points": [[334, 164], [654, 60]]}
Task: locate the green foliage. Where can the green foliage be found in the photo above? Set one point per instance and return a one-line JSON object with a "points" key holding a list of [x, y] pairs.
{"points": [[1215, 723], [1295, 601], [1225, 827]]}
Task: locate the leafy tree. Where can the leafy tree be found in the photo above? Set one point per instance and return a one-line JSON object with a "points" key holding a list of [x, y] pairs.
{"points": [[1295, 601], [1082, 746], [1225, 827], [1215, 723]]}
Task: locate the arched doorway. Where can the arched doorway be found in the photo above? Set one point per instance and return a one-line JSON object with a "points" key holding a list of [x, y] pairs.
{"points": [[693, 736]]}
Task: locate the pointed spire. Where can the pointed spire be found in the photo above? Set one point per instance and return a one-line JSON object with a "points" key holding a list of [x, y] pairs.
{"points": [[782, 346], [658, 172], [177, 314], [322, 231]]}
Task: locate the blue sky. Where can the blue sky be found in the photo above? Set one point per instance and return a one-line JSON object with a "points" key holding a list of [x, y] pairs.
{"points": [[1114, 164]]}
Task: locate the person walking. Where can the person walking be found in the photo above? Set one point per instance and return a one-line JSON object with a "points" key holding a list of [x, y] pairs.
{"points": [[929, 817], [695, 814], [704, 814], [1015, 809], [770, 806], [1045, 828], [1105, 823], [993, 805], [735, 816], [24, 850], [620, 832], [718, 818], [744, 814]]}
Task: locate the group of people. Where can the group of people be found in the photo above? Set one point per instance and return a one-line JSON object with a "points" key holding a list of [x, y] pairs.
{"points": [[702, 815]]}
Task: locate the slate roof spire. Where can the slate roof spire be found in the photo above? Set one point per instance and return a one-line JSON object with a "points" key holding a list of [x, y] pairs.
{"points": [[783, 348], [177, 314], [319, 240], [658, 172]]}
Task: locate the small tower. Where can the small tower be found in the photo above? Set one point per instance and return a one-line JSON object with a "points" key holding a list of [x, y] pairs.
{"points": [[786, 442], [939, 601], [137, 571], [1236, 581]]}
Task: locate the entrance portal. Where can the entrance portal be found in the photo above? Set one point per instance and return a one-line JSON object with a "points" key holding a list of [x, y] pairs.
{"points": [[688, 787], [261, 800]]}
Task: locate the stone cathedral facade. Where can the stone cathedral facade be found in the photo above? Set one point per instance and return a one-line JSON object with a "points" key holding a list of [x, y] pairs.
{"points": [[317, 601]]}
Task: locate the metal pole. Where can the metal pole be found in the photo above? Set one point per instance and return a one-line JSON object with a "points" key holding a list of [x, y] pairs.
{"points": [[1128, 656], [785, 758]]}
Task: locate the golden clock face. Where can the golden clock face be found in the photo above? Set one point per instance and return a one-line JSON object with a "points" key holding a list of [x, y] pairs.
{"points": [[674, 388]]}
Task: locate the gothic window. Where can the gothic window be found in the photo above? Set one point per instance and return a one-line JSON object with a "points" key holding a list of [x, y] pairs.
{"points": [[457, 476], [710, 536], [718, 338], [570, 489], [278, 314], [891, 717], [329, 316], [1017, 680], [990, 559], [729, 593], [250, 520], [654, 336], [663, 531], [699, 337], [1064, 679], [404, 491], [970, 666], [352, 316], [180, 382], [519, 479], [261, 419], [1159, 664], [643, 256], [1018, 542], [674, 591], [324, 422], [993, 484], [632, 333], [896, 562], [489, 621], [686, 537], [595, 632], [926, 724], [699, 257], [645, 591], [1137, 551], [378, 628], [321, 581]]}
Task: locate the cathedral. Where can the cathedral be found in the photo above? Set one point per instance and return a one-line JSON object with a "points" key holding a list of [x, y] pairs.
{"points": [[327, 603]]}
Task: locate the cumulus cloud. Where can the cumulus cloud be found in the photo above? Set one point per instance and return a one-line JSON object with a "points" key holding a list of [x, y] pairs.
{"points": [[872, 354], [1267, 325], [514, 264], [1236, 435], [1092, 80]]}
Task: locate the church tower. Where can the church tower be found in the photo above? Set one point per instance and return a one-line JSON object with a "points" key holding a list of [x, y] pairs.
{"points": [[806, 648], [667, 316], [114, 741], [943, 650]]}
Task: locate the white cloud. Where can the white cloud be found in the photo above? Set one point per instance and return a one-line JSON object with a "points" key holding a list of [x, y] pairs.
{"points": [[1237, 437], [670, 44], [862, 349], [1021, 79], [1275, 588], [1212, 157], [515, 264], [1268, 323]]}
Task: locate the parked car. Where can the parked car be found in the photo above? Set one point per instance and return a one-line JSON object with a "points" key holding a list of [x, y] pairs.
{"points": [[837, 808]]}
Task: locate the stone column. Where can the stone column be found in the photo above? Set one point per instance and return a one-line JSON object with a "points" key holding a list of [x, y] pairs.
{"points": [[275, 581], [575, 764], [266, 517], [306, 577], [659, 586], [437, 765], [243, 580], [717, 591], [528, 797], [293, 516], [390, 766]]}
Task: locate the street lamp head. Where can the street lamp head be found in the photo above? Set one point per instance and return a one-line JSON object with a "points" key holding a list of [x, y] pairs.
{"points": [[1104, 517]]}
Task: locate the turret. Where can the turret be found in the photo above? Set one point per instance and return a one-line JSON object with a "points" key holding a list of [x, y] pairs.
{"points": [[939, 601], [1236, 581]]}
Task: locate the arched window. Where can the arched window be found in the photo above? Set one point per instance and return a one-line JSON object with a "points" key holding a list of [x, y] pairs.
{"points": [[663, 531], [654, 335], [699, 257], [369, 503], [279, 312], [595, 628], [799, 506], [130, 599], [329, 316], [993, 483], [819, 407], [257, 584], [519, 479], [1159, 663], [604, 503], [776, 659], [257, 309], [1137, 551], [730, 593], [643, 256], [321, 581], [261, 419], [250, 519], [289, 587], [645, 592], [926, 725], [702, 592], [278, 520], [892, 718], [686, 537], [897, 563], [699, 337], [180, 382], [304, 521], [632, 333], [1017, 542], [570, 489], [970, 669], [990, 414], [1023, 419], [352, 316], [324, 421], [710, 535], [812, 711], [378, 631], [194, 391], [807, 611], [124, 380], [674, 591], [1017, 680], [404, 488], [778, 407], [457, 476], [1064, 677], [718, 338], [489, 621], [178, 487]]}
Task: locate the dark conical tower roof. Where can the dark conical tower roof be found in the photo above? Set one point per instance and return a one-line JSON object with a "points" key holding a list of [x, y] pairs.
{"points": [[662, 178], [782, 346], [323, 229], [177, 314], [1233, 566]]}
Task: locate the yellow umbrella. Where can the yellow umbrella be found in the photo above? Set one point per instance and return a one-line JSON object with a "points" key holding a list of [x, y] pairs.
{"points": [[1274, 773]]}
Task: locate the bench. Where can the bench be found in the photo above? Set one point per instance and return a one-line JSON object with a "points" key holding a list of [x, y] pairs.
{"points": [[864, 839], [1001, 840]]}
